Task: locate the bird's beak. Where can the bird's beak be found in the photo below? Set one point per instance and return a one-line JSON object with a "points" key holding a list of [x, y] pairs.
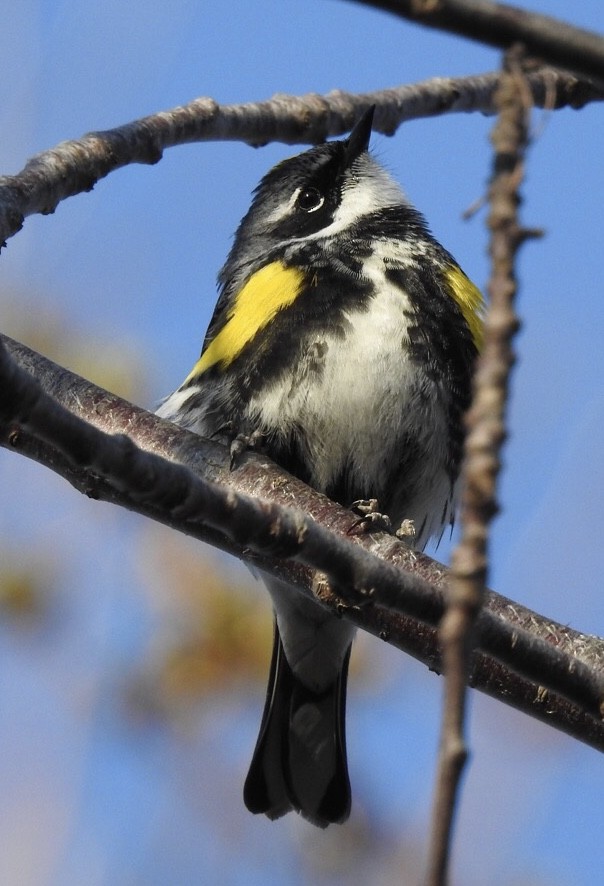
{"points": [[358, 140]]}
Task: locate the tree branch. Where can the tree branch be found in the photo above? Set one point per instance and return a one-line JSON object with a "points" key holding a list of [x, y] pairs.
{"points": [[499, 24], [485, 438], [73, 167], [519, 652]]}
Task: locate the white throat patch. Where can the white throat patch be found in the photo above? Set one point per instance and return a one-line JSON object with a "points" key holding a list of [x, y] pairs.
{"points": [[368, 187]]}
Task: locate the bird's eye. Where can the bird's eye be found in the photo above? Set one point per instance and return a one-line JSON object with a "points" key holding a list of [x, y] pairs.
{"points": [[309, 200]]}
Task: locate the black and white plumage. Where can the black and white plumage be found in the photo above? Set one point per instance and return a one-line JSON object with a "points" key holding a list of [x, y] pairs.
{"points": [[345, 335]]}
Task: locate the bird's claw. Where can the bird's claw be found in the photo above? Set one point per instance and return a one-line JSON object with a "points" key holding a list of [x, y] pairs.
{"points": [[406, 531], [243, 442], [369, 517]]}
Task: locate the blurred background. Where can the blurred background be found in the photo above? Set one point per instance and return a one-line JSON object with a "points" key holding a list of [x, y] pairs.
{"points": [[132, 660]]}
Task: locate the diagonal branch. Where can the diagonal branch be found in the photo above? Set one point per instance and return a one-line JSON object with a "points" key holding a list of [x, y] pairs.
{"points": [[503, 25], [74, 167], [520, 652]]}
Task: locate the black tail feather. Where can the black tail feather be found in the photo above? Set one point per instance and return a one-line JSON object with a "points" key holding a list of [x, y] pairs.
{"points": [[299, 762]]}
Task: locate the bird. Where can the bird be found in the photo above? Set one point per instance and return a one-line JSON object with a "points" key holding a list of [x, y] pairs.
{"points": [[343, 343]]}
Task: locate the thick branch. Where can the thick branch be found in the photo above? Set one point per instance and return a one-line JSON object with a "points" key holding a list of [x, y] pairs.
{"points": [[73, 167], [520, 652], [499, 24]]}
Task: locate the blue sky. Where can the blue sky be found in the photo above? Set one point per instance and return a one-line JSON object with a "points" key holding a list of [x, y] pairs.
{"points": [[85, 798]]}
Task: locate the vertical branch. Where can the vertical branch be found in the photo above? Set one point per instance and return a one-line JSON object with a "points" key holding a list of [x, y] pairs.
{"points": [[486, 434]]}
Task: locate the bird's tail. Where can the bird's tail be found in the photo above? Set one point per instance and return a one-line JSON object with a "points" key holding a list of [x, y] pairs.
{"points": [[299, 762]]}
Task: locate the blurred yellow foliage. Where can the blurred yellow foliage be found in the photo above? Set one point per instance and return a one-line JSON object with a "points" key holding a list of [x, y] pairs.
{"points": [[19, 593], [117, 365], [26, 584], [213, 625]]}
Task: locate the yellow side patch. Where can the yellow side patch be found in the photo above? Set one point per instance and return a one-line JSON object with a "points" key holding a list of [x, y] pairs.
{"points": [[470, 301], [267, 292]]}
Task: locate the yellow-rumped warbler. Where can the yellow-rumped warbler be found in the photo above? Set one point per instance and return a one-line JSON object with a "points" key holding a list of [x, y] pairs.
{"points": [[345, 336]]}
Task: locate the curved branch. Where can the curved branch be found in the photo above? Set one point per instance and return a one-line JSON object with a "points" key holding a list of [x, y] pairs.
{"points": [[519, 652], [502, 25], [73, 167]]}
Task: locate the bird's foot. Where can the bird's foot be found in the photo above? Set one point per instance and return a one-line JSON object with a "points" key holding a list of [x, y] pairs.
{"points": [[406, 531], [238, 442], [241, 443], [369, 519]]}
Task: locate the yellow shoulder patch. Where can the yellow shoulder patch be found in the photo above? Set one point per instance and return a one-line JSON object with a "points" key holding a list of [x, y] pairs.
{"points": [[470, 301], [267, 292]]}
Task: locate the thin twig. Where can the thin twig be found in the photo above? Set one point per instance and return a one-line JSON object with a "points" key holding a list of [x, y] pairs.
{"points": [[485, 437], [74, 167]]}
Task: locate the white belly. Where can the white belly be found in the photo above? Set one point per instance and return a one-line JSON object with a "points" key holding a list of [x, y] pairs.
{"points": [[357, 400]]}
